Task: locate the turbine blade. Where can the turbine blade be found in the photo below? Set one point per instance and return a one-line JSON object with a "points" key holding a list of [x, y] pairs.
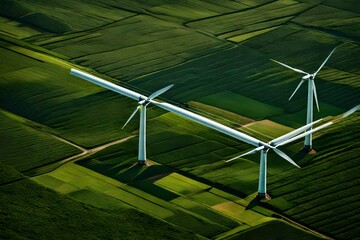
{"points": [[132, 115], [247, 153], [294, 69], [293, 133], [351, 111], [304, 134], [315, 95], [324, 61], [159, 92], [105, 84], [298, 86], [286, 157]]}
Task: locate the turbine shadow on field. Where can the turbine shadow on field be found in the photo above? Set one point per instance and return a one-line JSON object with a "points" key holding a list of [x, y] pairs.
{"points": [[137, 173], [253, 202], [302, 157], [131, 173]]}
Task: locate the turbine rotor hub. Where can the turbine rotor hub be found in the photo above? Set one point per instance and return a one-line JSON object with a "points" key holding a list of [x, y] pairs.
{"points": [[143, 101]]}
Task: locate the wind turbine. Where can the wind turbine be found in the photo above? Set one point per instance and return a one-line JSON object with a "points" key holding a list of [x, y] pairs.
{"points": [[260, 146], [273, 145], [281, 141], [310, 98], [143, 102]]}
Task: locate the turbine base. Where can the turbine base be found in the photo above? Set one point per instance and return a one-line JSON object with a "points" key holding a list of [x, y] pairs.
{"points": [[142, 162], [309, 149], [263, 197]]}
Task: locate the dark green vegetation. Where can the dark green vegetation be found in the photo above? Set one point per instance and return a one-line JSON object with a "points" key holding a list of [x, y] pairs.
{"points": [[273, 231], [30, 211], [17, 133], [217, 54]]}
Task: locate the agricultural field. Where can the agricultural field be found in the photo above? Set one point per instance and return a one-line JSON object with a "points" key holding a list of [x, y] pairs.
{"points": [[63, 150], [27, 207], [18, 132]]}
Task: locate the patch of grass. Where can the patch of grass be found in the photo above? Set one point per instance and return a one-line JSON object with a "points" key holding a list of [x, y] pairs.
{"points": [[155, 190], [8, 174], [230, 208], [267, 129], [241, 105], [344, 23], [349, 5], [12, 9], [240, 175], [208, 198], [97, 199], [176, 183], [46, 22], [247, 36], [218, 114], [15, 29], [205, 211]]}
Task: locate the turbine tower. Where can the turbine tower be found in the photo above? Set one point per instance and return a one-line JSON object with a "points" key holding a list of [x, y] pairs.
{"points": [[310, 98]]}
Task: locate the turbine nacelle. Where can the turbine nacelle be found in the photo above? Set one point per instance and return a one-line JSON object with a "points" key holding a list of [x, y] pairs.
{"points": [[145, 101], [307, 76]]}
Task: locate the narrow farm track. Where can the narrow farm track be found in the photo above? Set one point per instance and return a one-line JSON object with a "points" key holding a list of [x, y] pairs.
{"points": [[67, 142], [85, 153]]}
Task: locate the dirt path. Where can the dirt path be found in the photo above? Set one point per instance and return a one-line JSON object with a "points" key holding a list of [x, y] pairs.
{"points": [[65, 141], [83, 154]]}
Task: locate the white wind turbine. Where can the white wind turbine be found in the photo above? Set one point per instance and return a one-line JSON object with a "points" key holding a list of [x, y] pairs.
{"points": [[281, 141], [260, 146], [310, 98], [273, 145], [143, 102]]}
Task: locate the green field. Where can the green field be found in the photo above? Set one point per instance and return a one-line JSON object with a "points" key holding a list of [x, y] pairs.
{"points": [[27, 207], [18, 153], [65, 133], [241, 105]]}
